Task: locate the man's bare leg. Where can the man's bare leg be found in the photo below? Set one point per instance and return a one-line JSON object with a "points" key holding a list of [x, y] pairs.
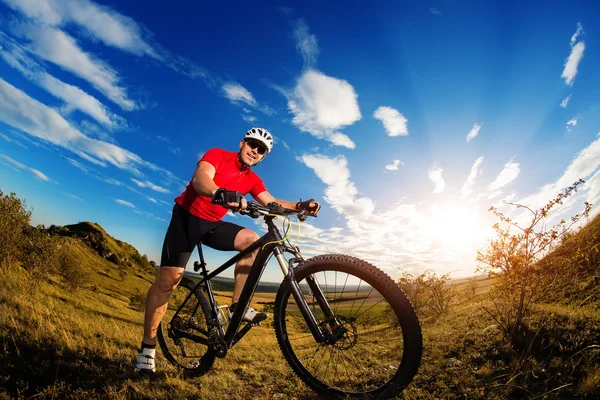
{"points": [[243, 239], [167, 280]]}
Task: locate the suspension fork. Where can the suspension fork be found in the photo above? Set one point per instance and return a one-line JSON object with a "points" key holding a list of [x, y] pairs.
{"points": [[301, 302]]}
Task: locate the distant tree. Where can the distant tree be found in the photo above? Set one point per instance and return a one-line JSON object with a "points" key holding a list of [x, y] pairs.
{"points": [[512, 258]]}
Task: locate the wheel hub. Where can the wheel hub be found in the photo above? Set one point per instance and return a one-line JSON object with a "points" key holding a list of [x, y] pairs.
{"points": [[344, 334]]}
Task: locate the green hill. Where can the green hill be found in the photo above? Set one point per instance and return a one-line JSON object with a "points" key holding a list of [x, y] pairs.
{"points": [[575, 266]]}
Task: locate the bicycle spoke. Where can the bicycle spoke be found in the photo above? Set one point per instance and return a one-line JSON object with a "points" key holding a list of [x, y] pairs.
{"points": [[356, 316]]}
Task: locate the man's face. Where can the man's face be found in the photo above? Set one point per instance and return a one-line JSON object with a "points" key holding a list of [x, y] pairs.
{"points": [[252, 151]]}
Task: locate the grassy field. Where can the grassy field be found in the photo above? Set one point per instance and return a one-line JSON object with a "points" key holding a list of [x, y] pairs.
{"points": [[60, 342]]}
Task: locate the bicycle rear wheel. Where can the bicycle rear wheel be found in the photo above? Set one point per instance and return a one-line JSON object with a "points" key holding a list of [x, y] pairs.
{"points": [[185, 338], [379, 349]]}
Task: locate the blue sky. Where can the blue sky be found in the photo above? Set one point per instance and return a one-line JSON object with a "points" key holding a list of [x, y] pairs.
{"points": [[407, 120]]}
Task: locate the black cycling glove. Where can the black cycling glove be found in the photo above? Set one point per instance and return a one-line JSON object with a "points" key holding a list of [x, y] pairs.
{"points": [[224, 196], [305, 205]]}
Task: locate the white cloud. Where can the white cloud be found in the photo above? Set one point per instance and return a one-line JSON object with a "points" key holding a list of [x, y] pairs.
{"points": [[241, 96], [56, 46], [578, 32], [249, 118], [592, 186], [573, 121], [572, 62], [341, 139], [322, 105], [78, 99], [565, 101], [582, 165], [435, 11], [124, 203], [149, 215], [435, 175], [474, 132], [400, 236], [150, 185], [237, 93], [112, 181], [13, 162], [102, 23], [105, 25], [73, 196], [509, 173], [38, 120], [78, 165], [394, 166], [12, 140], [468, 185], [393, 121], [38, 174], [306, 43]]}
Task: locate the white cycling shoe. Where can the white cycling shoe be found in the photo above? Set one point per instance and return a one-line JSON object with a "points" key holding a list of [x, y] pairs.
{"points": [[145, 361], [251, 315]]}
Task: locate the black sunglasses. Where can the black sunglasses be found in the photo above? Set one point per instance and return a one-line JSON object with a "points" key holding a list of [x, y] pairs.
{"points": [[256, 144]]}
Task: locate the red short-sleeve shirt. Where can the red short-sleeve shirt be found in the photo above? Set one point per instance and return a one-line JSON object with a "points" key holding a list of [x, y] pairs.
{"points": [[228, 175]]}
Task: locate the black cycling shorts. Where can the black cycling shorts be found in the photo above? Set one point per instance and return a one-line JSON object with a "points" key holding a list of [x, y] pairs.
{"points": [[186, 231]]}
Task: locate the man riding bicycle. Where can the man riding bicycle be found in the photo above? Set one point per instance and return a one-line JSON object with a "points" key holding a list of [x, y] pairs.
{"points": [[221, 177]]}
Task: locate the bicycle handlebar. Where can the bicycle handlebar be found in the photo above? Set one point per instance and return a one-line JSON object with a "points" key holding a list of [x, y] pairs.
{"points": [[255, 210]]}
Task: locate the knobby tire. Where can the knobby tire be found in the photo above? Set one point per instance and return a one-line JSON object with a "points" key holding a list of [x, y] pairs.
{"points": [[380, 352]]}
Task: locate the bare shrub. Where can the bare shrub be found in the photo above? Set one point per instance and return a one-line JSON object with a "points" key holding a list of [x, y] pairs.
{"points": [[513, 259], [428, 292]]}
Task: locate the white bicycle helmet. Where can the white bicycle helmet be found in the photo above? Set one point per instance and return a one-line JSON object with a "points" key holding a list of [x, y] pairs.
{"points": [[262, 135]]}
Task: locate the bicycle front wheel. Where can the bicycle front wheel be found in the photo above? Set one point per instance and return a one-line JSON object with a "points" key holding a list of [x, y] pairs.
{"points": [[379, 348], [184, 334]]}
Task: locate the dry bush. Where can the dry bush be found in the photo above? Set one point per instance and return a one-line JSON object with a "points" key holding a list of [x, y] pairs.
{"points": [[71, 272], [14, 219], [513, 258], [428, 292], [39, 254]]}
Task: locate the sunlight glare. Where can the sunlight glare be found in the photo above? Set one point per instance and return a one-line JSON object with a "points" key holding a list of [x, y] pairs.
{"points": [[453, 227]]}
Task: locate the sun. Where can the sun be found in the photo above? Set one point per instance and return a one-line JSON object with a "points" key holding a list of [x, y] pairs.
{"points": [[453, 227]]}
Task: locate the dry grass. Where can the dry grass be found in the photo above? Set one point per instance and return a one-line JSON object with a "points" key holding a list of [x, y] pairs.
{"points": [[59, 344]]}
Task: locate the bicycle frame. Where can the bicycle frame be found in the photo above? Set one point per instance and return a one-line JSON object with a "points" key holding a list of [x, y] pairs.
{"points": [[270, 243]]}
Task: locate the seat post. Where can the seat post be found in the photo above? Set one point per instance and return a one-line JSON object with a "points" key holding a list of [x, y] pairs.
{"points": [[201, 264]]}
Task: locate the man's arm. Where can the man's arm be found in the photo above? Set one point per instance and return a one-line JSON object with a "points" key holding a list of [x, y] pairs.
{"points": [[204, 184], [265, 198], [203, 180]]}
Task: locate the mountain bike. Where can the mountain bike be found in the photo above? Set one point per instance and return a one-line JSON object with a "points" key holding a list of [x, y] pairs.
{"points": [[344, 326]]}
